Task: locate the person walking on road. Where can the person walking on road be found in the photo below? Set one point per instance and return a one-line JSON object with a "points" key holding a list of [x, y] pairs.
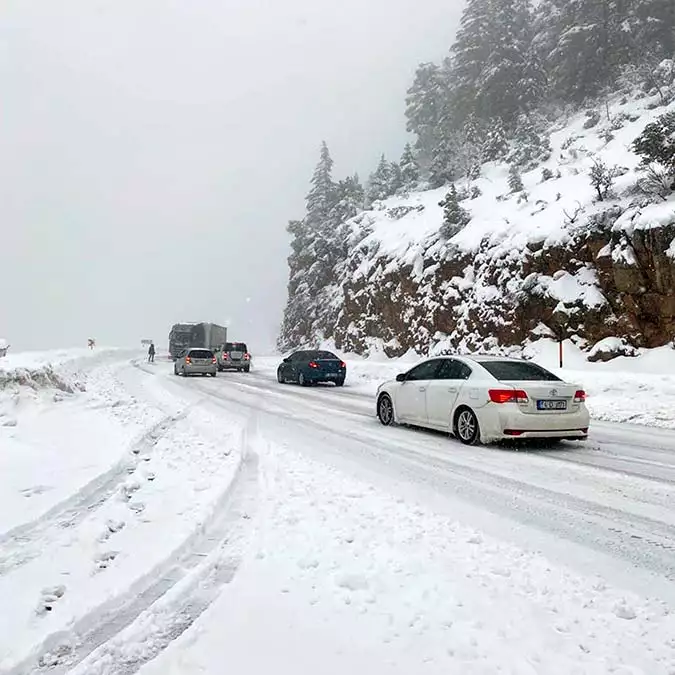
{"points": [[151, 353]]}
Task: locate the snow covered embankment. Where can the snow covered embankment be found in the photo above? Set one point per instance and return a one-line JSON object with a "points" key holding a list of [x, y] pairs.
{"points": [[551, 254], [103, 492]]}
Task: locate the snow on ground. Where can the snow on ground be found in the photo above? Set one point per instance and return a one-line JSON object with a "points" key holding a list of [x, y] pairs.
{"points": [[342, 576], [182, 535]]}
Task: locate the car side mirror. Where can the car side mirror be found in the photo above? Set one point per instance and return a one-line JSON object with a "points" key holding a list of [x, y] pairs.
{"points": [[401, 377]]}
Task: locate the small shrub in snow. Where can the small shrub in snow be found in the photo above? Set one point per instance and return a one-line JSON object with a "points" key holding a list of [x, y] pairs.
{"points": [[656, 144], [546, 174], [515, 180], [455, 218], [602, 178], [569, 142], [607, 135], [592, 119], [558, 197], [656, 184], [475, 192], [523, 197]]}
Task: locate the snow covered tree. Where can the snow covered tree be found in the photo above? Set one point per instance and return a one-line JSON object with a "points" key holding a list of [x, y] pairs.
{"points": [[314, 252], [455, 217], [426, 107], [495, 73], [584, 43], [395, 178], [515, 180], [656, 144], [379, 182], [602, 178], [410, 171], [531, 142], [654, 22]]}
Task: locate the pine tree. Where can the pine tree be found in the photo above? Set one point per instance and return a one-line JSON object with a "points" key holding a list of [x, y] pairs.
{"points": [[410, 171], [395, 178], [455, 217], [515, 180], [654, 22], [426, 107], [379, 182], [495, 73], [314, 253], [585, 43]]}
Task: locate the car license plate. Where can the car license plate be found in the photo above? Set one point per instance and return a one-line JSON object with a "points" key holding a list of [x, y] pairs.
{"points": [[331, 374], [551, 405]]}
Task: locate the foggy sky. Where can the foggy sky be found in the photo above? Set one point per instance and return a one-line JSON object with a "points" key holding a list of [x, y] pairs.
{"points": [[151, 152]]}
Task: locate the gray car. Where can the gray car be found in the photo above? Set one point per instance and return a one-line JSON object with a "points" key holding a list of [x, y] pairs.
{"points": [[234, 356], [196, 361]]}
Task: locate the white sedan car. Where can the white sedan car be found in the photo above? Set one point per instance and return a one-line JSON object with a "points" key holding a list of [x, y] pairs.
{"points": [[485, 399]]}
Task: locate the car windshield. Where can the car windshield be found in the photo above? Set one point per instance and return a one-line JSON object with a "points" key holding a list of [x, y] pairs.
{"points": [[201, 354], [518, 371]]}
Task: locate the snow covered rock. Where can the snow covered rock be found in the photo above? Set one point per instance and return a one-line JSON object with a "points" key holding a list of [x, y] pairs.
{"points": [[610, 348]]}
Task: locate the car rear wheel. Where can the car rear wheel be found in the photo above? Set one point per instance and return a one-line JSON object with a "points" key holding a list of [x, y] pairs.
{"points": [[301, 380], [466, 426], [184, 373], [247, 369], [385, 410], [339, 383], [214, 374]]}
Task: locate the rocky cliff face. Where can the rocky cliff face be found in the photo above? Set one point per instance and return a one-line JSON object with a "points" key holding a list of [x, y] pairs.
{"points": [[615, 275]]}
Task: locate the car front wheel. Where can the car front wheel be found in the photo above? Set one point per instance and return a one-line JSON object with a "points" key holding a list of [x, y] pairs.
{"points": [[385, 410], [301, 380], [280, 377], [466, 427]]}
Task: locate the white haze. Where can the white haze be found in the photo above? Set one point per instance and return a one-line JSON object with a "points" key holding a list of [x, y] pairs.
{"points": [[152, 152]]}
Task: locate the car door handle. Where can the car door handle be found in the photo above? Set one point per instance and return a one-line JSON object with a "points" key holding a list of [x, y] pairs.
{"points": [[423, 388], [452, 390]]}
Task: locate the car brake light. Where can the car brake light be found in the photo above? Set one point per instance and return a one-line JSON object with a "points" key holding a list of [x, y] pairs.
{"points": [[580, 396], [224, 356], [188, 359], [343, 364], [508, 396], [247, 356], [214, 360], [313, 364]]}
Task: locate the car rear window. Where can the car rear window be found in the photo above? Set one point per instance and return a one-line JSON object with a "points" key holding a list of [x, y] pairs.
{"points": [[518, 371], [236, 347], [201, 354], [322, 356]]}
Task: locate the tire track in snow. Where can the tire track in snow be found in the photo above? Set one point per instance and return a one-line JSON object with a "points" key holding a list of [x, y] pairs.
{"points": [[126, 632], [25, 542]]}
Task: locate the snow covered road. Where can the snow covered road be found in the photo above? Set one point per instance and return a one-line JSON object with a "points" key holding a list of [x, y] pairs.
{"points": [[248, 513]]}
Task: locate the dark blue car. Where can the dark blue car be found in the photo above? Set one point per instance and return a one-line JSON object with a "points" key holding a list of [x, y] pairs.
{"points": [[311, 367]]}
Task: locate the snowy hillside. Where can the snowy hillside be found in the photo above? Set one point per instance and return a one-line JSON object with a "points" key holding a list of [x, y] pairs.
{"points": [[548, 259]]}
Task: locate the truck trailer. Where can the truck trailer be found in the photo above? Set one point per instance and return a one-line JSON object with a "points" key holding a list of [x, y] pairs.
{"points": [[206, 335]]}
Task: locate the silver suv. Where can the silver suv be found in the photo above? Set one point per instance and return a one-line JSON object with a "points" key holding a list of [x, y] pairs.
{"points": [[196, 361], [234, 356]]}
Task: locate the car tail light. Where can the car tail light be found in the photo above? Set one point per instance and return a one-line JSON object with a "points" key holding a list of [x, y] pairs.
{"points": [[313, 364], [214, 360], [508, 396], [188, 359], [247, 356], [580, 396], [224, 356], [343, 364], [513, 432]]}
